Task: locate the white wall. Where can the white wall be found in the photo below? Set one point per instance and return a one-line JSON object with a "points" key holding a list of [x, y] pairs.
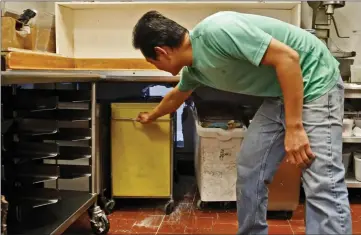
{"points": [[347, 19]]}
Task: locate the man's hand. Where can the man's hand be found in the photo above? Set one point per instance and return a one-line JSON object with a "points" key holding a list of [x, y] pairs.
{"points": [[297, 148], [144, 118]]}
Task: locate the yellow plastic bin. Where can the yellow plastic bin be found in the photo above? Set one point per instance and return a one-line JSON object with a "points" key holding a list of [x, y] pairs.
{"points": [[141, 155]]}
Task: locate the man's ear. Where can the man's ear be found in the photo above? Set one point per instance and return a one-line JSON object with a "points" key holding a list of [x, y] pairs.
{"points": [[161, 51]]}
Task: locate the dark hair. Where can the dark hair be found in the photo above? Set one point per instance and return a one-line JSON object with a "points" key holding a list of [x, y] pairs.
{"points": [[153, 29]]}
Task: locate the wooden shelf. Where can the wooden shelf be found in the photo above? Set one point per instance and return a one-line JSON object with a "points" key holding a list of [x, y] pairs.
{"points": [[19, 59]]}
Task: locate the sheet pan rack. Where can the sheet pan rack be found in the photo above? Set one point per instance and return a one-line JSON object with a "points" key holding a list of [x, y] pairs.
{"points": [[45, 133]]}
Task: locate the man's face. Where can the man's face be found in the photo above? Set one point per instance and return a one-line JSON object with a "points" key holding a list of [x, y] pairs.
{"points": [[166, 61]]}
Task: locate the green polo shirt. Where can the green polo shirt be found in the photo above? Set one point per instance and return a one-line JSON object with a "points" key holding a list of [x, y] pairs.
{"points": [[228, 48]]}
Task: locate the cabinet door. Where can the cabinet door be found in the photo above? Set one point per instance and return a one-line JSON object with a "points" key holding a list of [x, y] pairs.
{"points": [[141, 155]]}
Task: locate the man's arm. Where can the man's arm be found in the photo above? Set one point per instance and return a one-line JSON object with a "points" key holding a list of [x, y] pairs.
{"points": [[286, 62], [170, 103], [174, 99]]}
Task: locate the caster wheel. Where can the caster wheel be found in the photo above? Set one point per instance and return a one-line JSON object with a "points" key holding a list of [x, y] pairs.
{"points": [[101, 226], [169, 207], [99, 221], [109, 206], [201, 205]]}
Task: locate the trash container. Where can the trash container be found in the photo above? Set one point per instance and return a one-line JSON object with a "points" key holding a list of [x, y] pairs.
{"points": [[220, 129], [219, 136]]}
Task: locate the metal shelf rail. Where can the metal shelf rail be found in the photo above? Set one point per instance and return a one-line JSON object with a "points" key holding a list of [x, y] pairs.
{"points": [[35, 208]]}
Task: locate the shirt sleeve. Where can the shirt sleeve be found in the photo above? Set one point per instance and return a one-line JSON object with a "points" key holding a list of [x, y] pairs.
{"points": [[187, 81], [239, 39]]}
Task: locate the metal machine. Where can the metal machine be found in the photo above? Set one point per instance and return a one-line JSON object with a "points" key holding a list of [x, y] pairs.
{"points": [[322, 18]]}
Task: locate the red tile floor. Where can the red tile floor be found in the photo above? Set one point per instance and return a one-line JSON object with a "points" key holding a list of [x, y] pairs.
{"points": [[145, 218]]}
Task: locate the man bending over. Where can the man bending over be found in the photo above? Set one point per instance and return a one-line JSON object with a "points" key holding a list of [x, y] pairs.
{"points": [[300, 119]]}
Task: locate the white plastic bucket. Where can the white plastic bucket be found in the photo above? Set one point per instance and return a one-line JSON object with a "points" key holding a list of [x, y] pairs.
{"points": [[356, 73], [347, 126], [357, 166]]}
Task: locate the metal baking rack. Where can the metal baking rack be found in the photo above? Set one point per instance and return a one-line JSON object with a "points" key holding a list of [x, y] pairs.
{"points": [[42, 129]]}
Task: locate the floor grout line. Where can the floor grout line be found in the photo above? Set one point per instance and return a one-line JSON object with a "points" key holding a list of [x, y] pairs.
{"points": [[160, 225], [293, 232]]}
